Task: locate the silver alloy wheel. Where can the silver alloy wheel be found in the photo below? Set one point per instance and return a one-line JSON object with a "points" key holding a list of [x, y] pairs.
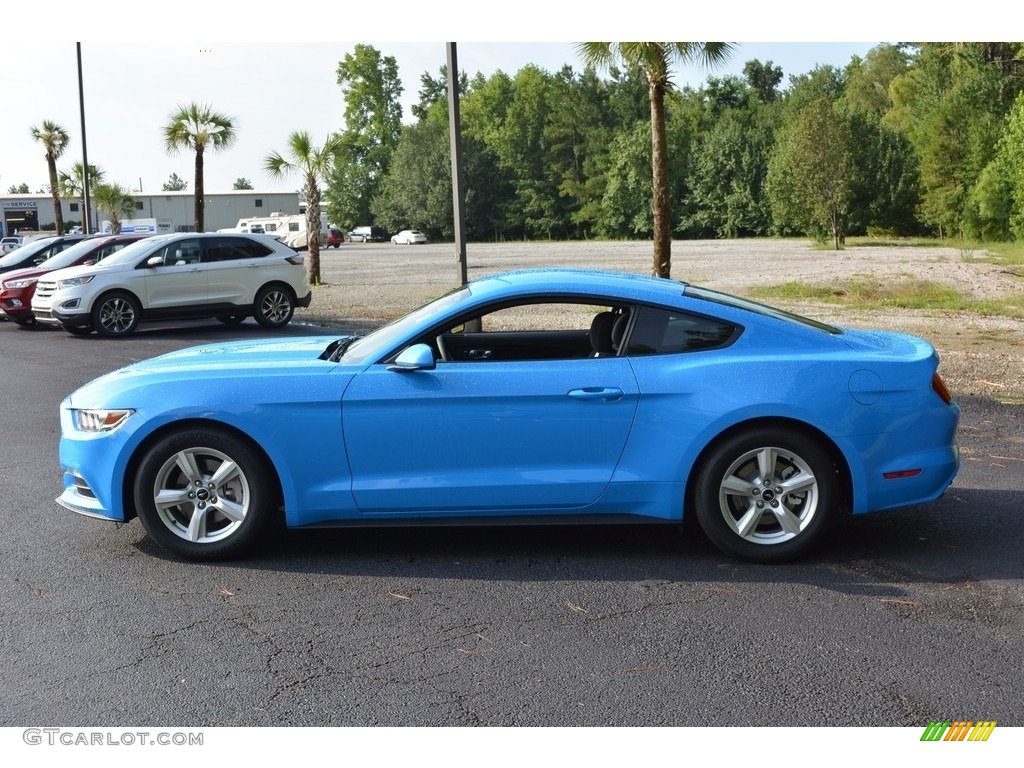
{"points": [[117, 315], [276, 306], [201, 495], [769, 496]]}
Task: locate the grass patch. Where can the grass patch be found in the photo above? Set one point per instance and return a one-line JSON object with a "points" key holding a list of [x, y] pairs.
{"points": [[907, 293], [1011, 254], [895, 242]]}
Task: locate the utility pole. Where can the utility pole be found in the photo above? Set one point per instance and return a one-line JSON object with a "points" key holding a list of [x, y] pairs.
{"points": [[86, 218], [455, 131]]}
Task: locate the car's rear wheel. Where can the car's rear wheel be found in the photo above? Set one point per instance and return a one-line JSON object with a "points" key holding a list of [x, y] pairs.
{"points": [[767, 495], [115, 315], [204, 494], [274, 306]]}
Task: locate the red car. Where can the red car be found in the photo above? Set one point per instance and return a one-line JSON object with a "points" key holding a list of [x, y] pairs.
{"points": [[18, 286], [334, 238]]}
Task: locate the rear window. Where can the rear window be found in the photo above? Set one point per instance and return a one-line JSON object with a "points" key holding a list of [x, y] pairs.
{"points": [[760, 309]]}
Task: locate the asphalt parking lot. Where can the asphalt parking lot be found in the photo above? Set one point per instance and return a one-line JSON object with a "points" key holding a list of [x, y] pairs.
{"points": [[904, 617]]}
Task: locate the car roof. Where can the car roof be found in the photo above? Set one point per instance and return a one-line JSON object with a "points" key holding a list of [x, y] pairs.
{"points": [[581, 281]]}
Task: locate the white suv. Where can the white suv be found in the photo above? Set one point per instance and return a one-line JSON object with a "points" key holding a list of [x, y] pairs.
{"points": [[180, 276]]}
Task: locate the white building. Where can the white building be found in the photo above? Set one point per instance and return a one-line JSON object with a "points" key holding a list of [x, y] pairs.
{"points": [[223, 209]]}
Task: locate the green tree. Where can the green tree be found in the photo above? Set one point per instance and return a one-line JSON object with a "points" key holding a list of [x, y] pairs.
{"points": [[577, 131], [951, 103], [763, 79], [811, 174], [868, 80], [417, 191], [116, 202], [626, 210], [198, 128], [728, 175], [314, 164], [18, 189], [175, 183], [242, 183], [656, 61], [1010, 168], [54, 139], [72, 185], [373, 122]]}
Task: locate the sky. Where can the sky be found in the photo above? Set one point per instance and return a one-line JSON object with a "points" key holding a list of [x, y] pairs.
{"points": [[271, 81]]}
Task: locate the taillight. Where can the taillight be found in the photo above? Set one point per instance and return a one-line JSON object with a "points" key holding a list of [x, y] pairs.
{"points": [[941, 389]]}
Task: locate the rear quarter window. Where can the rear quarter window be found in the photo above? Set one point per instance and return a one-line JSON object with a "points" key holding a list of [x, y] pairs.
{"points": [[658, 331]]}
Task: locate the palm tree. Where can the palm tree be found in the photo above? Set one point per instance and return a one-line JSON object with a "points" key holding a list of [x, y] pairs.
{"points": [[55, 139], [73, 185], [656, 60], [116, 202], [314, 163], [198, 127]]}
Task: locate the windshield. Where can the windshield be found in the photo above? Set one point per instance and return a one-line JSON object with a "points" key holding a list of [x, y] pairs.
{"points": [[130, 253], [385, 338], [25, 252], [69, 256]]}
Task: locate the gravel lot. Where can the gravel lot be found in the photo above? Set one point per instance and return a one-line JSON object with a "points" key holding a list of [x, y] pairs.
{"points": [[368, 284]]}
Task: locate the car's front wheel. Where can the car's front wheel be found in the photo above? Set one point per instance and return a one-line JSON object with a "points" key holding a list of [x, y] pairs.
{"points": [[274, 306], [204, 494], [767, 495], [115, 315]]}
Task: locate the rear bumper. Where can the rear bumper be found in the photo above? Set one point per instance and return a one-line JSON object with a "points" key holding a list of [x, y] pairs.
{"points": [[304, 301]]}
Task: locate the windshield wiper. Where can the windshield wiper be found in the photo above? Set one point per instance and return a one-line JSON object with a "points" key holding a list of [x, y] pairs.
{"points": [[337, 348]]}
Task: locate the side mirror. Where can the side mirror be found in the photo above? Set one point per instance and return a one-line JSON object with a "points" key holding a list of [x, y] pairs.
{"points": [[155, 261], [418, 357]]}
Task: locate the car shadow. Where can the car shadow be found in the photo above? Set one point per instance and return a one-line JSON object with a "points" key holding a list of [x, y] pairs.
{"points": [[969, 536]]}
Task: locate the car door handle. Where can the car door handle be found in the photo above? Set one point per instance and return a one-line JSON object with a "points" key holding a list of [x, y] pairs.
{"points": [[596, 393], [479, 354]]}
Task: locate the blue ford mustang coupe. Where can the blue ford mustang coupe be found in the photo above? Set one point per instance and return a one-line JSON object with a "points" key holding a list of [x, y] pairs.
{"points": [[526, 397]]}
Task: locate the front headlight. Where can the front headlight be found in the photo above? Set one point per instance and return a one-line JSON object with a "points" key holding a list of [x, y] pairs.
{"points": [[99, 419], [72, 282], [21, 283]]}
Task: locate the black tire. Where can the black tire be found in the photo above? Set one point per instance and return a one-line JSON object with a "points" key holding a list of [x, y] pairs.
{"points": [[78, 330], [274, 306], [767, 495], [188, 513], [232, 319], [115, 315]]}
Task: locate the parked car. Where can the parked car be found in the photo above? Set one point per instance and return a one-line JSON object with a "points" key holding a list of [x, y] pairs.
{"points": [[586, 396], [409, 237], [18, 286], [178, 276], [35, 252], [334, 237], [367, 235], [8, 244]]}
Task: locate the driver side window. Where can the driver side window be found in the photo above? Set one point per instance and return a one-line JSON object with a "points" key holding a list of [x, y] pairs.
{"points": [[556, 330]]}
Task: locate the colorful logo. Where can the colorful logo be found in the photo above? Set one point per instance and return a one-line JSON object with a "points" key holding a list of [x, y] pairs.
{"points": [[958, 730]]}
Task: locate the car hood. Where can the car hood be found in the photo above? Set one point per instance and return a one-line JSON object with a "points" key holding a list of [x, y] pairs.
{"points": [[20, 274], [257, 353], [242, 362], [88, 269]]}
